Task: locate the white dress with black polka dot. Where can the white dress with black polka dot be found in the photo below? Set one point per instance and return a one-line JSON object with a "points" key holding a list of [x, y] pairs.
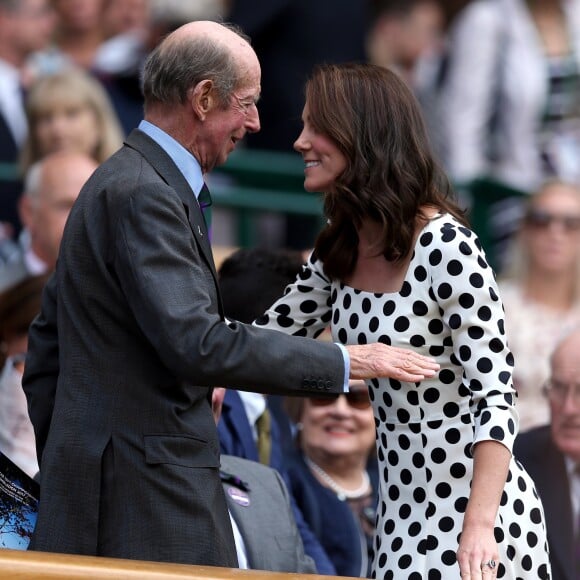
{"points": [[448, 308]]}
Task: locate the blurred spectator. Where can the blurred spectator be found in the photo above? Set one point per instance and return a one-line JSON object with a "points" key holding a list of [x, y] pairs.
{"points": [[551, 455], [540, 289], [25, 27], [290, 37], [70, 111], [18, 307], [407, 36], [403, 33], [78, 36], [259, 507], [330, 475], [122, 16], [52, 186], [512, 93]]}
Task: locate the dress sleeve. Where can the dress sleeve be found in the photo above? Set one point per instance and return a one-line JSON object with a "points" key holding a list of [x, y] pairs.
{"points": [[305, 309], [465, 288]]}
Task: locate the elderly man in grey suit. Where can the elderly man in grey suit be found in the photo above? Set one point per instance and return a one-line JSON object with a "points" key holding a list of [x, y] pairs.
{"points": [[131, 336]]}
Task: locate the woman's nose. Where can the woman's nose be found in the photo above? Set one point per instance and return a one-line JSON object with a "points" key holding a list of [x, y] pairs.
{"points": [[300, 144]]}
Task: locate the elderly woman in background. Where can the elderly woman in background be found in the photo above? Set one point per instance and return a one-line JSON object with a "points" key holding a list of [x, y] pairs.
{"points": [[333, 474], [70, 111], [540, 288]]}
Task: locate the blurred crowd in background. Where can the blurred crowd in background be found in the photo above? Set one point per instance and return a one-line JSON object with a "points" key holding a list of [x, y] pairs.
{"points": [[498, 82]]}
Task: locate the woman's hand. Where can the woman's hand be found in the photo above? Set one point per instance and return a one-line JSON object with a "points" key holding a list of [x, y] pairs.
{"points": [[378, 360], [477, 556]]}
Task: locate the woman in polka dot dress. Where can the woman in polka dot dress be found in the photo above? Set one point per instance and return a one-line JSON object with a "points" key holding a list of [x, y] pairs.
{"points": [[396, 263]]}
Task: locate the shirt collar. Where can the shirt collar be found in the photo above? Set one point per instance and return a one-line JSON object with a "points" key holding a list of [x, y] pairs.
{"points": [[185, 161], [254, 405]]}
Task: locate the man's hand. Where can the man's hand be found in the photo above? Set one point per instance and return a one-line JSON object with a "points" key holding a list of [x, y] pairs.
{"points": [[378, 360]]}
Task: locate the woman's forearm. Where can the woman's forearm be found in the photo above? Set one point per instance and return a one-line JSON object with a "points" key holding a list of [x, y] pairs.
{"points": [[490, 468]]}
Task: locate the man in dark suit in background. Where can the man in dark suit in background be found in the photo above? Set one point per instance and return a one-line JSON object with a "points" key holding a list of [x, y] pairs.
{"points": [[551, 455], [26, 26], [131, 336]]}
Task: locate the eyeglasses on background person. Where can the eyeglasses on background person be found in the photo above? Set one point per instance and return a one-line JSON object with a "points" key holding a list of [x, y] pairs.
{"points": [[358, 399], [541, 220], [558, 391]]}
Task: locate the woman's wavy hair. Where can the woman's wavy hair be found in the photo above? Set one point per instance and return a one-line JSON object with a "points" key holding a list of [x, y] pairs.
{"points": [[375, 121]]}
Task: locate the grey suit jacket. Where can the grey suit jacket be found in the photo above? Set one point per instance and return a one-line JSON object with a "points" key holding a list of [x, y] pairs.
{"points": [[121, 361], [263, 514]]}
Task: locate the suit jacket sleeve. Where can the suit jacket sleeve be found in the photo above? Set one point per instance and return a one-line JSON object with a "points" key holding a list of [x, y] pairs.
{"points": [[166, 282], [42, 366]]}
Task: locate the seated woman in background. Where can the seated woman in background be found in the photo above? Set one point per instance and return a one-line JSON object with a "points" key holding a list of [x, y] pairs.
{"points": [[71, 111], [18, 307], [540, 288], [333, 474]]}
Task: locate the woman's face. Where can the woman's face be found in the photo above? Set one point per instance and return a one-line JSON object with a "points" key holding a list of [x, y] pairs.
{"points": [[324, 160], [339, 429], [67, 127], [552, 229]]}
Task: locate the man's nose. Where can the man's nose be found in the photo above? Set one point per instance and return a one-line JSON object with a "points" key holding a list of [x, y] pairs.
{"points": [[253, 120], [571, 404]]}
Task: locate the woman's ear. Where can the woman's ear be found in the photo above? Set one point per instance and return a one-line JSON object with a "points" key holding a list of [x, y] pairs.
{"points": [[202, 98]]}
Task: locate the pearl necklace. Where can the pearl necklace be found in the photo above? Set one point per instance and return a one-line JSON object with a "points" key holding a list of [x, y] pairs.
{"points": [[343, 494]]}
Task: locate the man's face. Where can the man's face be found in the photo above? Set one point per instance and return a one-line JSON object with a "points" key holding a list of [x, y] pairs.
{"points": [[30, 26], [46, 214], [225, 126], [564, 396]]}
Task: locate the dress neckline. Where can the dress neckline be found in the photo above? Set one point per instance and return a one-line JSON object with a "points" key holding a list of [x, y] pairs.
{"points": [[428, 223]]}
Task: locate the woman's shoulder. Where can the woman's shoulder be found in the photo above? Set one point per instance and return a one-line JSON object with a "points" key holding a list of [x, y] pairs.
{"points": [[444, 228]]}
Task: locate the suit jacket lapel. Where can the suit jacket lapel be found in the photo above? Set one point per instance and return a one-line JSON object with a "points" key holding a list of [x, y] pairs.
{"points": [[168, 171], [558, 509]]}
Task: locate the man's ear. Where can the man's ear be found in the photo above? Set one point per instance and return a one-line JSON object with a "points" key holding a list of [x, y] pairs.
{"points": [[25, 210], [202, 98]]}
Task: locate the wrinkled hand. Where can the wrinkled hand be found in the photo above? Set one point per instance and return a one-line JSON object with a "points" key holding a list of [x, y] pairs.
{"points": [[478, 556], [378, 360]]}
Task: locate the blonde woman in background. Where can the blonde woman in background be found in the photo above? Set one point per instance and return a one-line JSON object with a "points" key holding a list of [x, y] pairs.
{"points": [[540, 289], [70, 111]]}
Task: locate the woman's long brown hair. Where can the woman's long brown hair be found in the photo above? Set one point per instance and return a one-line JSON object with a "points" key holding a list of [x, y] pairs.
{"points": [[374, 119]]}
